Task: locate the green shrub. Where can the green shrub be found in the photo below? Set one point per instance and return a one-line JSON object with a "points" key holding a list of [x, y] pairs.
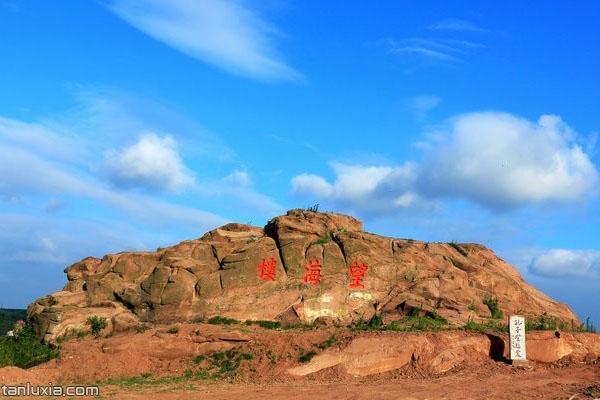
{"points": [[226, 363], [96, 324], [24, 350], [306, 357], [375, 323], [541, 323], [457, 247], [218, 320], [492, 304], [328, 343], [173, 330]]}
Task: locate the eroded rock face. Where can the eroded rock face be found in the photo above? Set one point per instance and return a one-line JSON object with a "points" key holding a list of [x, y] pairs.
{"points": [[218, 275], [441, 352]]}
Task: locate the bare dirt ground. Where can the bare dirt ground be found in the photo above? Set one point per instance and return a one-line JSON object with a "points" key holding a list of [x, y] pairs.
{"points": [[491, 382], [163, 357]]}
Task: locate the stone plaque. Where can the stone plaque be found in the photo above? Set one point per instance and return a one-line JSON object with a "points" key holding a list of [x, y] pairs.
{"points": [[517, 338]]}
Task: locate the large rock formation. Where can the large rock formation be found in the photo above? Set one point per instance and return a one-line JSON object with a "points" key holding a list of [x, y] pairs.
{"points": [[219, 274]]}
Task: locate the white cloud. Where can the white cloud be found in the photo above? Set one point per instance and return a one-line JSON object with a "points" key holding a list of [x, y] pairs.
{"points": [[494, 159], [223, 33], [563, 262], [503, 161], [151, 163], [370, 189], [420, 106]]}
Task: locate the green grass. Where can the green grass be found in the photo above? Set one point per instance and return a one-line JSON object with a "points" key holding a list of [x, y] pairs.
{"points": [[306, 357], [411, 323], [417, 323], [218, 320], [265, 324], [226, 363], [24, 350], [492, 325], [8, 317], [173, 330], [544, 323]]}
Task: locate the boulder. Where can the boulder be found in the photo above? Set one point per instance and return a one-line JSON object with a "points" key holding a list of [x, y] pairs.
{"points": [[218, 275]]}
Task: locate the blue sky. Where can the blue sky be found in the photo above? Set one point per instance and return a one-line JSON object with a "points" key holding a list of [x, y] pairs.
{"points": [[131, 125]]}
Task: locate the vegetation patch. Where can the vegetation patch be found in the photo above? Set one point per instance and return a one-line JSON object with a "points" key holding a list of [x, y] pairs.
{"points": [[326, 238], [492, 303], [96, 324], [482, 327], [220, 365], [265, 324], [24, 350], [218, 320], [306, 357], [414, 322], [458, 248], [226, 363], [328, 343]]}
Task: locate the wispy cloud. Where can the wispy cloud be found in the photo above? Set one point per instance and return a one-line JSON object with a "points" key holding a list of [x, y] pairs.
{"points": [[446, 41], [421, 105], [433, 49], [223, 33], [457, 25]]}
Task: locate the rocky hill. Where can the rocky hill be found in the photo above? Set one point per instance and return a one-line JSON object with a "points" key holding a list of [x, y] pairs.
{"points": [[301, 267]]}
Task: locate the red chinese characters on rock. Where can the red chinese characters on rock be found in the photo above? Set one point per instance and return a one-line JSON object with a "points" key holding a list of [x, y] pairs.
{"points": [[266, 269], [357, 273], [312, 272]]}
